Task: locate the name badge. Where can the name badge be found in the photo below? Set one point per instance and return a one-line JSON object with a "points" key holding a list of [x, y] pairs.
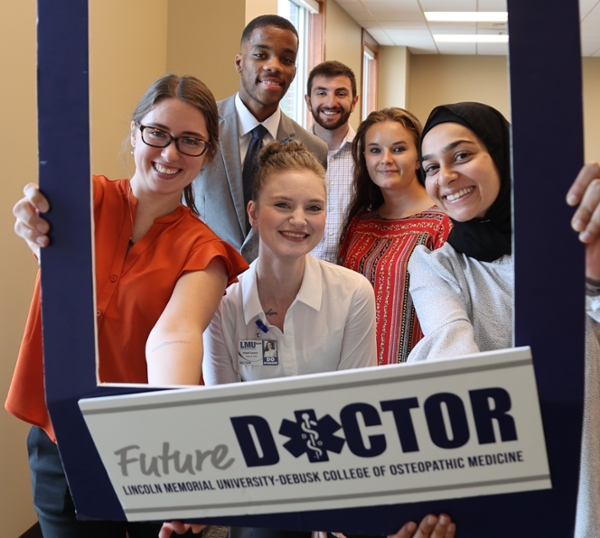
{"points": [[258, 353]]}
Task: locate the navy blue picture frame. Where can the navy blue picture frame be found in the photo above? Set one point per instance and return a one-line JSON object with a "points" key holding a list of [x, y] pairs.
{"points": [[546, 103]]}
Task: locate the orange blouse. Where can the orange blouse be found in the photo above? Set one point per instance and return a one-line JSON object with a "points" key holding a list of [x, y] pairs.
{"points": [[132, 290]]}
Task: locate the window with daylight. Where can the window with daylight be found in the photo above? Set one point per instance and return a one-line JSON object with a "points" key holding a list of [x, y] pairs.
{"points": [[369, 76], [307, 17]]}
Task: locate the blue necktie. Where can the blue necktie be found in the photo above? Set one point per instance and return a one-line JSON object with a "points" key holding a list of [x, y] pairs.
{"points": [[251, 164]]}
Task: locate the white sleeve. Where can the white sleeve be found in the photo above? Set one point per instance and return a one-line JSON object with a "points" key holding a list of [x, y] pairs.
{"points": [[437, 297], [588, 499], [592, 307], [359, 347], [218, 365]]}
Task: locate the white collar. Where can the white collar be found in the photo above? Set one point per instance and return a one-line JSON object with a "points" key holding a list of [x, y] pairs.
{"points": [[310, 293], [247, 121], [347, 139]]}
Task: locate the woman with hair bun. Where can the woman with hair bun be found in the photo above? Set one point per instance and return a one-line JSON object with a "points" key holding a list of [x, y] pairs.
{"points": [[306, 315], [389, 215]]}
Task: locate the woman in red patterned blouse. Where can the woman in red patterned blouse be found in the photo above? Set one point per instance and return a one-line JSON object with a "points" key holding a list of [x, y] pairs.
{"points": [[389, 215]]}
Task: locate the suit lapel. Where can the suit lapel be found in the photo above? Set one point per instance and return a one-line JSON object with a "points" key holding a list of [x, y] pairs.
{"points": [[230, 152], [286, 128]]}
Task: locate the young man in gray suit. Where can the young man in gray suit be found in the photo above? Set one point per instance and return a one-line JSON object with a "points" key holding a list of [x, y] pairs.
{"points": [[267, 66]]}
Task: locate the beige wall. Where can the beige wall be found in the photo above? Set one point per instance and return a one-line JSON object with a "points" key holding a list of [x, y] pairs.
{"points": [[394, 69], [128, 50], [203, 39], [254, 8], [435, 80], [591, 108], [343, 42], [17, 267]]}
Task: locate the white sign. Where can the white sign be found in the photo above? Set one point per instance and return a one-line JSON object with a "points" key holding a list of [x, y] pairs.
{"points": [[383, 435]]}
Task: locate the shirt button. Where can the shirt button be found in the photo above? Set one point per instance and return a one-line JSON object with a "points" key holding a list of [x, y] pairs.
{"points": [[98, 313], [113, 278]]}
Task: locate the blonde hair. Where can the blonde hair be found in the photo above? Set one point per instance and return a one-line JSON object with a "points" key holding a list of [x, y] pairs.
{"points": [[277, 157]]}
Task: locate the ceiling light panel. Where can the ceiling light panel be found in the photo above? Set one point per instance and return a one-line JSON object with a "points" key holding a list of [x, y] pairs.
{"points": [[481, 38], [445, 5], [492, 49], [491, 5], [466, 16]]}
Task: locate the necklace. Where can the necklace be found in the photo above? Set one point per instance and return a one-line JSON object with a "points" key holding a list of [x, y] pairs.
{"points": [[130, 212]]}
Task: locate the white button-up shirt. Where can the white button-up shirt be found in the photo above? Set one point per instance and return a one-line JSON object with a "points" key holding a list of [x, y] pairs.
{"points": [[329, 326], [247, 122]]}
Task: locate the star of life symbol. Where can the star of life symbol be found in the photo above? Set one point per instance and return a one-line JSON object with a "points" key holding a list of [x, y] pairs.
{"points": [[315, 437]]}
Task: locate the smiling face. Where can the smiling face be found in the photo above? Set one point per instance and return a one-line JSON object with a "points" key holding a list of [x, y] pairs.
{"points": [[461, 176], [165, 170], [289, 213], [391, 155], [267, 66], [331, 101]]}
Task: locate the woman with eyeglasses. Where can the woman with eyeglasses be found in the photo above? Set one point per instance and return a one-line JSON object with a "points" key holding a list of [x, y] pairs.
{"points": [[160, 275]]}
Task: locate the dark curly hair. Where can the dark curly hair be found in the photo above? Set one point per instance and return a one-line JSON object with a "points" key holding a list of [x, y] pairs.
{"points": [[268, 20]]}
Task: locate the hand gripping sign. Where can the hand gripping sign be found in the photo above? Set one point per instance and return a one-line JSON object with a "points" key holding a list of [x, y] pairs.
{"points": [[545, 79]]}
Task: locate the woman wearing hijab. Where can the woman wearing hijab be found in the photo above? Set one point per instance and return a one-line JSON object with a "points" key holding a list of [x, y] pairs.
{"points": [[465, 156], [463, 292]]}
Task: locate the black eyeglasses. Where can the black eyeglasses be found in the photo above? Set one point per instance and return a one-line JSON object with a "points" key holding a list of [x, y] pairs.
{"points": [[187, 145]]}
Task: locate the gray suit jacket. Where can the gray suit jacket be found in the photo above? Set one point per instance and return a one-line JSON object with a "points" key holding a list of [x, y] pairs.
{"points": [[218, 188]]}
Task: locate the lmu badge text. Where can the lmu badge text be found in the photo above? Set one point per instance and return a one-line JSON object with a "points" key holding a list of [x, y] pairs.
{"points": [[385, 435]]}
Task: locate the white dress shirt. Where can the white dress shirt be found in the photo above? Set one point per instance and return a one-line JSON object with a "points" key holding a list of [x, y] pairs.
{"points": [[340, 170], [247, 122], [329, 326]]}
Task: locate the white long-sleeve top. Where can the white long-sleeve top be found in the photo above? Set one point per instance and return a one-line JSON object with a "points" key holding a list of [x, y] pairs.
{"points": [[466, 306]]}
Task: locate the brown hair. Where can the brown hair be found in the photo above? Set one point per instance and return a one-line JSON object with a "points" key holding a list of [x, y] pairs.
{"points": [[192, 91], [329, 70], [366, 196], [283, 156]]}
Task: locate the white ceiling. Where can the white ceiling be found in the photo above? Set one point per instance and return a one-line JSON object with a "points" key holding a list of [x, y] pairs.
{"points": [[402, 23]]}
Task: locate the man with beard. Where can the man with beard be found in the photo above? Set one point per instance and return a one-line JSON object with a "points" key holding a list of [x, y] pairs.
{"points": [[267, 66], [331, 97]]}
